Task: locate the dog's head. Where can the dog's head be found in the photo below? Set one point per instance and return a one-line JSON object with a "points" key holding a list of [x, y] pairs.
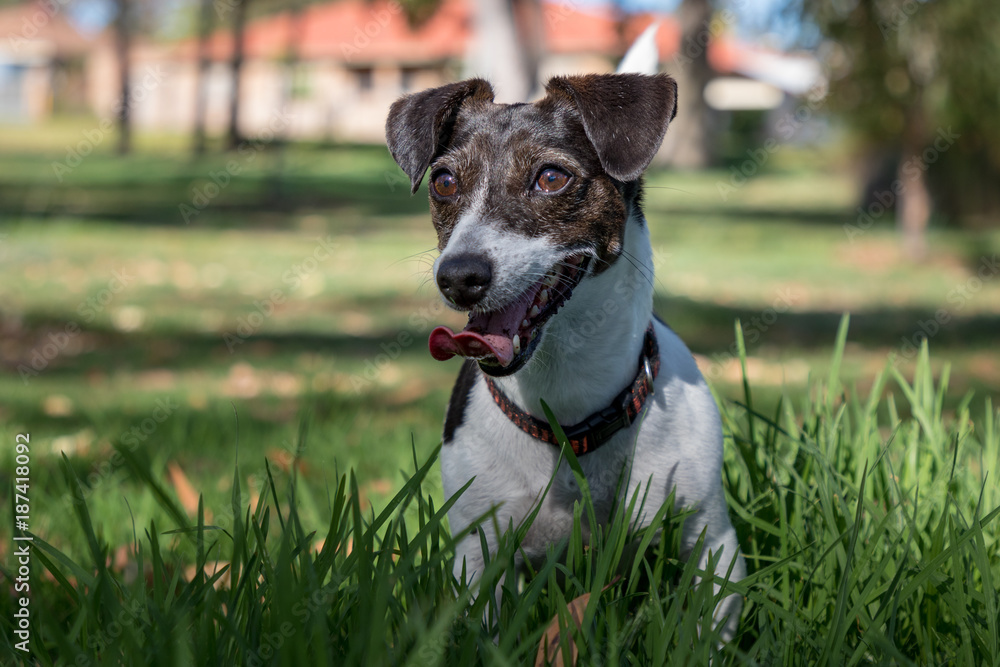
{"points": [[528, 200]]}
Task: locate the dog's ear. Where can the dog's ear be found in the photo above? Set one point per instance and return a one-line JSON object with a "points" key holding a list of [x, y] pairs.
{"points": [[419, 126], [624, 115]]}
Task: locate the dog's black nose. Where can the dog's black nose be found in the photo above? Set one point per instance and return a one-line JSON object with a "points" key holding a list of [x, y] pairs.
{"points": [[464, 279]]}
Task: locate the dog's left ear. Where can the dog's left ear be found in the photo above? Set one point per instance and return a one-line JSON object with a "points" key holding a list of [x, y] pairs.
{"points": [[419, 126], [624, 115]]}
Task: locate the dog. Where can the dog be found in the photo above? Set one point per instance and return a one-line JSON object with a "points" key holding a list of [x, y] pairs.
{"points": [[543, 242]]}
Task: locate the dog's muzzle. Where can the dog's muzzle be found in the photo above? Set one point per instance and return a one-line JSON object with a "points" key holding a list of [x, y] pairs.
{"points": [[503, 340]]}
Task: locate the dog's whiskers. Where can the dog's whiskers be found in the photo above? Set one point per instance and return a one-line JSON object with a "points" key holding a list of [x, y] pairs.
{"points": [[666, 187], [645, 271], [417, 256]]}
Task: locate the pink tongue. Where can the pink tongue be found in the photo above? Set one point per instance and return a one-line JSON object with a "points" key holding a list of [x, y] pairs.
{"points": [[486, 334], [445, 344]]}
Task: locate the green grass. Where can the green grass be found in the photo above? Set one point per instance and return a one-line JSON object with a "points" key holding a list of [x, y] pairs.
{"points": [[322, 351], [344, 352], [870, 539]]}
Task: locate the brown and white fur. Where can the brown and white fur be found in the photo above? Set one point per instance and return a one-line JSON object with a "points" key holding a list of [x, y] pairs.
{"points": [[500, 232]]}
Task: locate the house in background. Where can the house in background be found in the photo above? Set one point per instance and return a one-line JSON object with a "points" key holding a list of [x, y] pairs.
{"points": [[332, 70], [352, 59], [43, 60]]}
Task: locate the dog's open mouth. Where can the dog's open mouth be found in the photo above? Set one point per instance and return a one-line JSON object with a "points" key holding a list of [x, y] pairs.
{"points": [[503, 340]]}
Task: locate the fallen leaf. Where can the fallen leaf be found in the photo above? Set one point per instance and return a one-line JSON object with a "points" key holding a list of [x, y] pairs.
{"points": [[57, 405], [550, 648], [209, 570], [185, 492]]}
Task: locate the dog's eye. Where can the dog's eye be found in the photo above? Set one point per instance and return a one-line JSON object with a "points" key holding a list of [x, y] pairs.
{"points": [[552, 180], [445, 184]]}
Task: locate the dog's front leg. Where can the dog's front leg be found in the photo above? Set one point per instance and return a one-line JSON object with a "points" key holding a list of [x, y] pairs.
{"points": [[718, 552], [469, 560], [470, 565]]}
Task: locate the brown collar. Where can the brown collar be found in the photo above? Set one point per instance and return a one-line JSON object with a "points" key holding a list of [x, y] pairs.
{"points": [[598, 428]]}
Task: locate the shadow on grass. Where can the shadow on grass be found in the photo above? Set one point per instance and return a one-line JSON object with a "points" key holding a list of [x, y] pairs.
{"points": [[253, 202], [257, 193], [706, 327], [807, 217]]}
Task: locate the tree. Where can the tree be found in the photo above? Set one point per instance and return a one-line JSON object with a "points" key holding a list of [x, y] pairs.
{"points": [[291, 60], [123, 37], [507, 43], [503, 50], [917, 81], [688, 144], [239, 8], [201, 84]]}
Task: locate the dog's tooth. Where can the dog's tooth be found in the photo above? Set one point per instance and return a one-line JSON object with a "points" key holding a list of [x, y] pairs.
{"points": [[543, 297], [525, 323], [551, 280], [517, 344], [534, 311]]}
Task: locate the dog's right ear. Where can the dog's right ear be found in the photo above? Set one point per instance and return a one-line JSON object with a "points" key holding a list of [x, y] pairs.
{"points": [[419, 126]]}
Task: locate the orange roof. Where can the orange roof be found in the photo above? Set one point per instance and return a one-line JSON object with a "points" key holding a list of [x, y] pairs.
{"points": [[42, 23], [363, 32], [595, 30], [356, 31]]}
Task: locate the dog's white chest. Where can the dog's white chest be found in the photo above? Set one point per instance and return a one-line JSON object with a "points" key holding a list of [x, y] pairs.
{"points": [[676, 445]]}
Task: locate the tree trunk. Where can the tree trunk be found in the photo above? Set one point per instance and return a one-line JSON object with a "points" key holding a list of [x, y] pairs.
{"points": [[201, 83], [913, 207], [123, 30], [688, 143], [500, 52], [239, 23], [276, 175], [529, 19], [291, 60]]}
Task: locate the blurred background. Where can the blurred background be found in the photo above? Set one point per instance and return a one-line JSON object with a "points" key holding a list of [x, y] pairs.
{"points": [[207, 256]]}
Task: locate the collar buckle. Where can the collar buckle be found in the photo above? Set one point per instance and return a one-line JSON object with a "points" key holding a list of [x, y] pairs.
{"points": [[599, 427]]}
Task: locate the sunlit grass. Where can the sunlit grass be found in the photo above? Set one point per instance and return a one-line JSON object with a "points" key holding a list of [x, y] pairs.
{"points": [[870, 539]]}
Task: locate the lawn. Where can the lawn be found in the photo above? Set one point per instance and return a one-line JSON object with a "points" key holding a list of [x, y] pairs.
{"points": [[183, 319]]}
